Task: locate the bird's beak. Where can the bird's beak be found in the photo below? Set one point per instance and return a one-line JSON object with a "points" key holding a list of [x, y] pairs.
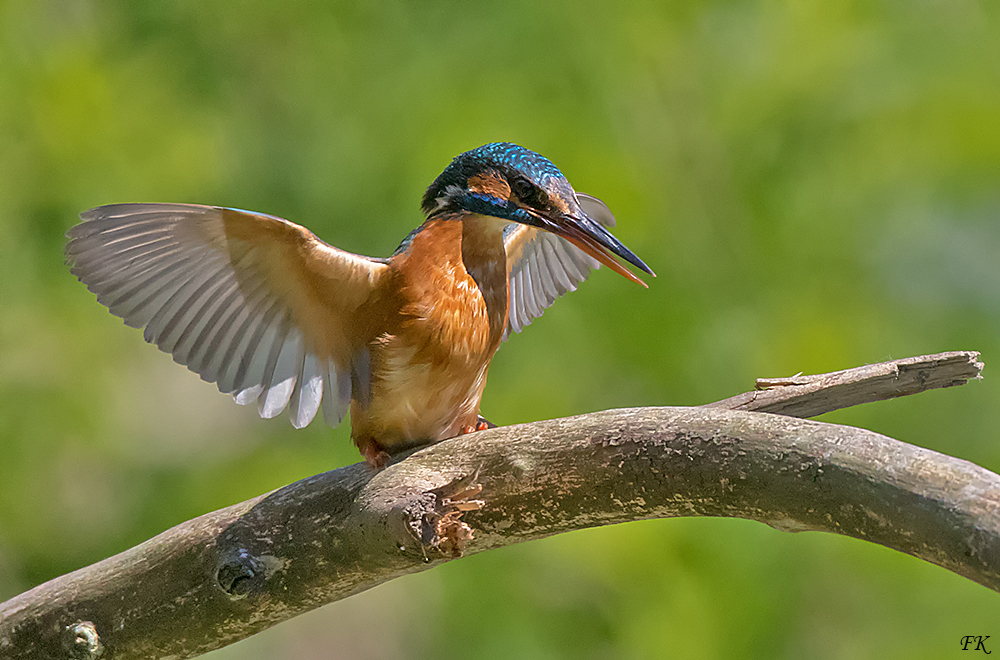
{"points": [[599, 243]]}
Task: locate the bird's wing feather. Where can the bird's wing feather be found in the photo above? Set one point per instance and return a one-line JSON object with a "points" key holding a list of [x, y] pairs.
{"points": [[254, 303], [542, 266]]}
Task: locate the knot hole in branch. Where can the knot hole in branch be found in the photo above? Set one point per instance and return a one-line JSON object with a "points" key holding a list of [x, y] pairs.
{"points": [[81, 641], [240, 574]]}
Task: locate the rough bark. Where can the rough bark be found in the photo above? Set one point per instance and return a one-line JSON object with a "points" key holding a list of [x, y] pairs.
{"points": [[223, 576]]}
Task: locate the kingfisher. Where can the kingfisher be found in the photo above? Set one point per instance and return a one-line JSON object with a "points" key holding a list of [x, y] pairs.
{"points": [[272, 314]]}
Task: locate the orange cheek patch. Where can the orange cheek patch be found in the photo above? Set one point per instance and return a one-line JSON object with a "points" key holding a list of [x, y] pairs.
{"points": [[490, 183]]}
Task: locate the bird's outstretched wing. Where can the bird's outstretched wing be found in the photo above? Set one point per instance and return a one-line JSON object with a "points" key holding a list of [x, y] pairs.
{"points": [[542, 266], [252, 302]]}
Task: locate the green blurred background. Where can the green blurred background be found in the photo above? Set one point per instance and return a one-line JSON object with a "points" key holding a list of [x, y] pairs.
{"points": [[816, 184]]}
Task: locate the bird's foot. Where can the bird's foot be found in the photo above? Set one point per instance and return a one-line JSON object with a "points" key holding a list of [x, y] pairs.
{"points": [[481, 425], [374, 455]]}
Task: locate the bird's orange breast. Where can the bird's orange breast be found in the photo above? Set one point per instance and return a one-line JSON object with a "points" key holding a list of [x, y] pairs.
{"points": [[428, 368]]}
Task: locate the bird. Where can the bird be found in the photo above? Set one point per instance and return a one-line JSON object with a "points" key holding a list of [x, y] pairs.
{"points": [[275, 316]]}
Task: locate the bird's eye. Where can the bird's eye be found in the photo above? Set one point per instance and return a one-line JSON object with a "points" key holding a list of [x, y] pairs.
{"points": [[528, 192], [523, 188]]}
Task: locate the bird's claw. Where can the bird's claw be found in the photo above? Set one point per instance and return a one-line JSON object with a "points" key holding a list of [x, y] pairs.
{"points": [[374, 455], [481, 425]]}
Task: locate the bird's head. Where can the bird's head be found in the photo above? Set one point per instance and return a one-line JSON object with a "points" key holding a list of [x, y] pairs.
{"points": [[512, 183]]}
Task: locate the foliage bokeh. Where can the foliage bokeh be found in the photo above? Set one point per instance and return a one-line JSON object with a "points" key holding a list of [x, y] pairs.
{"points": [[815, 183]]}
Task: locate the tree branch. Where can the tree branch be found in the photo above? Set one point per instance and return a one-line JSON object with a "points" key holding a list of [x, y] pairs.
{"points": [[223, 576], [809, 396]]}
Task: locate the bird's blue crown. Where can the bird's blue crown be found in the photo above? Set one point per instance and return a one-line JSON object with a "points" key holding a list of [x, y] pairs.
{"points": [[509, 159], [536, 167]]}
